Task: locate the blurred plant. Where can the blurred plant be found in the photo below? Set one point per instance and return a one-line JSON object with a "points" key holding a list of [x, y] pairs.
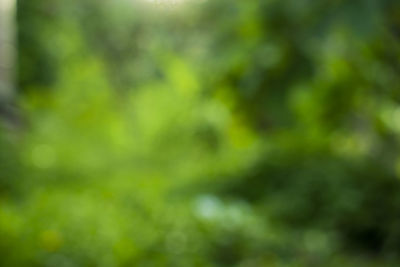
{"points": [[214, 133]]}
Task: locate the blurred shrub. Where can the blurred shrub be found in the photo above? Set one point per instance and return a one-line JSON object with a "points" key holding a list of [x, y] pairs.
{"points": [[210, 133]]}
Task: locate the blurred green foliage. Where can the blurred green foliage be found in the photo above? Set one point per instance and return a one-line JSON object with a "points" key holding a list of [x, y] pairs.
{"points": [[204, 133]]}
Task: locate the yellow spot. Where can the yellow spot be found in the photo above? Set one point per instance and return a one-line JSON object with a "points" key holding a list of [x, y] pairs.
{"points": [[51, 240]]}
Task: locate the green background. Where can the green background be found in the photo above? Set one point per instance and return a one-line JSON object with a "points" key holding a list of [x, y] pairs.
{"points": [[203, 133]]}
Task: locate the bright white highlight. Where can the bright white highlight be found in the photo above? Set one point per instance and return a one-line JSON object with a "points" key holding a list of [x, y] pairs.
{"points": [[166, 2]]}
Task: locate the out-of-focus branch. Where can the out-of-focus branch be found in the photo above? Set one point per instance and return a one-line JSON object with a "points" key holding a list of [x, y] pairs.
{"points": [[7, 49], [8, 111]]}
